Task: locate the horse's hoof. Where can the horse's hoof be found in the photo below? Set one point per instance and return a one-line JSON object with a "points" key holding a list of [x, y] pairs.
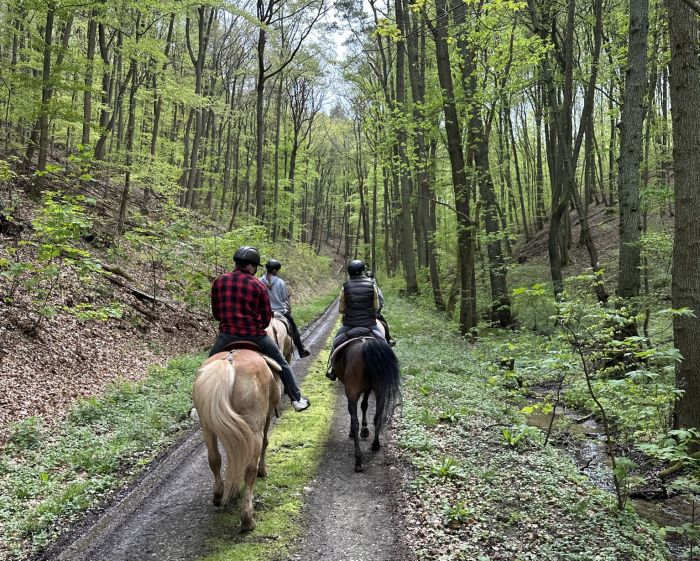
{"points": [[364, 433], [248, 526], [376, 446], [262, 473], [216, 500], [359, 468]]}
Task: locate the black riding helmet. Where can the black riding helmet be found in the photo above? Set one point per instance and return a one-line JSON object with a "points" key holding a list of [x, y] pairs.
{"points": [[356, 268], [273, 265], [246, 255]]}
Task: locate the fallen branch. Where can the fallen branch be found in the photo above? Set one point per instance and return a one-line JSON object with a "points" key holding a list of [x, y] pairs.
{"points": [[678, 466], [140, 294], [116, 270]]}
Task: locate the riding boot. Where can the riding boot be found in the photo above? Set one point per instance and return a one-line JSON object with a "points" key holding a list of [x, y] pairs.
{"points": [[303, 352], [330, 374]]}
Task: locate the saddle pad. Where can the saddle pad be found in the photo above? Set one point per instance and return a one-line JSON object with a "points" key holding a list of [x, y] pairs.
{"points": [[273, 364], [285, 321]]}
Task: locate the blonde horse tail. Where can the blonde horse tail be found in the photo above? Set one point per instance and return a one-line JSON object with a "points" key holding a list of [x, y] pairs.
{"points": [[213, 388]]}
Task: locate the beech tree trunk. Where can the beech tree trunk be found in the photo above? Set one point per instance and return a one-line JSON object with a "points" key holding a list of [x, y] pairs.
{"points": [[628, 280], [684, 32]]}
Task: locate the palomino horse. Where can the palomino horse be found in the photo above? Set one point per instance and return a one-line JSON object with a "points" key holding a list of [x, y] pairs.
{"points": [[235, 394], [278, 332], [365, 365]]}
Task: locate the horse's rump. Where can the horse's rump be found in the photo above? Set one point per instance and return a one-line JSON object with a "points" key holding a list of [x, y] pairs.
{"points": [[279, 332], [366, 365], [234, 393]]}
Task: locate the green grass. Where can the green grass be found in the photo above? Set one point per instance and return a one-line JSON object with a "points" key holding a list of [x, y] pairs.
{"points": [[484, 486], [296, 446], [49, 477]]}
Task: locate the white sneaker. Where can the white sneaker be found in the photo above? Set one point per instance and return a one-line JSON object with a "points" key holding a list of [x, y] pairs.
{"points": [[301, 404]]}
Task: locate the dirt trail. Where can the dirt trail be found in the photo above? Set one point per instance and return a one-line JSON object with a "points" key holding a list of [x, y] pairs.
{"points": [[167, 515], [353, 516]]}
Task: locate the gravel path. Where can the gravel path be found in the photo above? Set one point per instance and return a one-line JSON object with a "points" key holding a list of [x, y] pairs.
{"points": [[167, 515], [353, 516]]}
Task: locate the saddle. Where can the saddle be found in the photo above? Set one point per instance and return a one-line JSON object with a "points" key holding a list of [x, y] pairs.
{"points": [[250, 346], [346, 338]]}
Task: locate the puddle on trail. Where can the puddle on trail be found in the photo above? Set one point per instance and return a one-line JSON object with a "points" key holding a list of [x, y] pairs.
{"points": [[587, 447]]}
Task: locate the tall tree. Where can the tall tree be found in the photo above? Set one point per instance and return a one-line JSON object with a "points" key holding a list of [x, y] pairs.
{"points": [[684, 32], [465, 225], [631, 124]]}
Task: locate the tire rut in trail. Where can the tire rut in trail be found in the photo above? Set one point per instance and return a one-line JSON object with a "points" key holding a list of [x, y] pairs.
{"points": [[353, 516], [167, 515]]}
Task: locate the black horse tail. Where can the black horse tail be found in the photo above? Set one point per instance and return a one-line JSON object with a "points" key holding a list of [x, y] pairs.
{"points": [[382, 370]]}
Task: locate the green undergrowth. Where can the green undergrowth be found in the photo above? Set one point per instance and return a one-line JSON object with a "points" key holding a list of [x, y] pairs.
{"points": [[49, 476], [296, 445], [484, 487]]}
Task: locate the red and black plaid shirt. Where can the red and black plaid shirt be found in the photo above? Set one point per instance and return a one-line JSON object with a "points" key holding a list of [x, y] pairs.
{"points": [[241, 304]]}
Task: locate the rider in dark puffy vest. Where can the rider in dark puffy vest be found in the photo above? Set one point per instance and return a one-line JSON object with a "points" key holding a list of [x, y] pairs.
{"points": [[358, 302]]}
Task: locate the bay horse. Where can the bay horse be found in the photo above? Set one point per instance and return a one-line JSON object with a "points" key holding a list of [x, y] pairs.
{"points": [[235, 394], [279, 333], [365, 365]]}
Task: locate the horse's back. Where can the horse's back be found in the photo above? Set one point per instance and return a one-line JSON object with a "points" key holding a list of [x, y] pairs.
{"points": [[255, 389]]}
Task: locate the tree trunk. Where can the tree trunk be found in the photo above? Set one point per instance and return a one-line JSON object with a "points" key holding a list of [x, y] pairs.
{"points": [[87, 95], [628, 280], [684, 33], [465, 226], [408, 255]]}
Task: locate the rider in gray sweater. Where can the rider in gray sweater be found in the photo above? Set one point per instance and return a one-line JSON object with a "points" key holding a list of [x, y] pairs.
{"points": [[279, 300]]}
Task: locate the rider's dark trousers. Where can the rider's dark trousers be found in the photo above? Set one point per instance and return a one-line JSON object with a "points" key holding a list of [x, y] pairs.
{"points": [[269, 348], [295, 332]]}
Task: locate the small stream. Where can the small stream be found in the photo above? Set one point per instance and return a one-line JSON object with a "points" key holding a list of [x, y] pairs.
{"points": [[586, 444]]}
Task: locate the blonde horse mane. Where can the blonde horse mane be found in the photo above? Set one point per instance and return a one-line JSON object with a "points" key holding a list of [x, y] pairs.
{"points": [[212, 392]]}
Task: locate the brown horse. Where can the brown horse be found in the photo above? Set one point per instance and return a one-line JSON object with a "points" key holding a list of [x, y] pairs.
{"points": [[278, 332], [235, 394], [366, 365]]}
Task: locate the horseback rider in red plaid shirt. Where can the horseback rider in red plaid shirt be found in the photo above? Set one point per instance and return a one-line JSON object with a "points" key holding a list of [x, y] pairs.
{"points": [[240, 303]]}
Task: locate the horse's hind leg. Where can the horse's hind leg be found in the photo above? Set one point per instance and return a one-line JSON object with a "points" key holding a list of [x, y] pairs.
{"points": [[354, 430], [262, 467], [251, 472], [214, 458], [377, 415], [364, 433]]}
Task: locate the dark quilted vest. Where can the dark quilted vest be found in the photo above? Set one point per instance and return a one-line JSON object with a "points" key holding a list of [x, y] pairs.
{"points": [[359, 302]]}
